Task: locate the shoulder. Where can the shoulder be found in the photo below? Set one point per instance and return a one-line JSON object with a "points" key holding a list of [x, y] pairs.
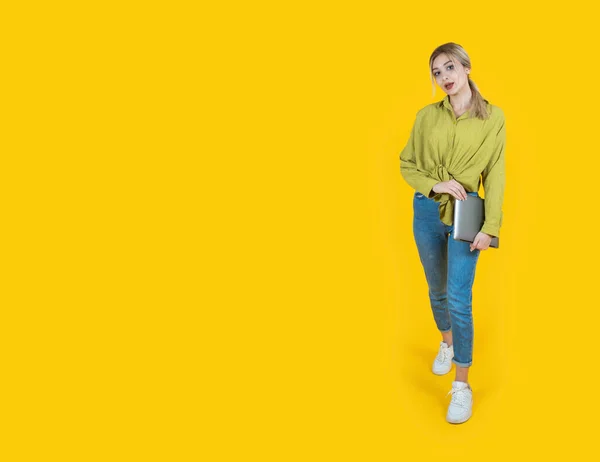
{"points": [[422, 117], [496, 113], [428, 109], [427, 112]]}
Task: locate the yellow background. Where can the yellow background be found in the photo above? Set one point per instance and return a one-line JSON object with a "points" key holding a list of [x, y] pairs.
{"points": [[207, 245]]}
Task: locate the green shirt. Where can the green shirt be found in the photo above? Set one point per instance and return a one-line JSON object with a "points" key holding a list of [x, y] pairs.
{"points": [[442, 147]]}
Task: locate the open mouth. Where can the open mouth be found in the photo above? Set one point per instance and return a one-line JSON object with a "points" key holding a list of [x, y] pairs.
{"points": [[449, 86]]}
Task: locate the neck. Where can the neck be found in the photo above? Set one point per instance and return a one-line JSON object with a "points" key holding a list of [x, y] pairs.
{"points": [[462, 99]]}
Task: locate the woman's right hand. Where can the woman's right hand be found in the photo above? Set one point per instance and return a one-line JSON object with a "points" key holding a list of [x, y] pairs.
{"points": [[451, 187]]}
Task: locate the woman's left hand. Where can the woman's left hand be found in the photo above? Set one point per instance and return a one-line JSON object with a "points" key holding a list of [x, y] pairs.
{"points": [[481, 242]]}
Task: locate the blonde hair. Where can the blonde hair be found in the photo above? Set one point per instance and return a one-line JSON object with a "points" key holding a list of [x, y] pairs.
{"points": [[456, 53]]}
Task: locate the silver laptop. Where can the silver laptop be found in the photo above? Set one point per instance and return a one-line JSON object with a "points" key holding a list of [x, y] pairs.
{"points": [[469, 216]]}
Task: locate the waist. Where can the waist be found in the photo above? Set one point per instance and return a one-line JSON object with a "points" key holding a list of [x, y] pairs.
{"points": [[470, 193]]}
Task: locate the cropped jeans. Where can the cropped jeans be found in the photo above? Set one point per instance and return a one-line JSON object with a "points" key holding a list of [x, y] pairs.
{"points": [[449, 268]]}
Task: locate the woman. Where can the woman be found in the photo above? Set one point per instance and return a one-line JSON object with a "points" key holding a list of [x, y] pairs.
{"points": [[454, 145]]}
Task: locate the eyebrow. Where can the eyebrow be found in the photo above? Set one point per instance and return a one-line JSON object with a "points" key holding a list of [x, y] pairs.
{"points": [[444, 65]]}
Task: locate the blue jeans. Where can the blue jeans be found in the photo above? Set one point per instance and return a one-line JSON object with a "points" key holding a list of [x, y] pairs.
{"points": [[449, 267]]}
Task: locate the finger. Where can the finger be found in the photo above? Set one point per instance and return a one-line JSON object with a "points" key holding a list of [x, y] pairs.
{"points": [[456, 193], [452, 191], [461, 190], [455, 189]]}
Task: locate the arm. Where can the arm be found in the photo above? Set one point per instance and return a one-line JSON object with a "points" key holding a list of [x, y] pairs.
{"points": [[493, 184], [416, 178]]}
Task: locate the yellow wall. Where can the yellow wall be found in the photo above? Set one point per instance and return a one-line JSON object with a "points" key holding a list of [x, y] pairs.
{"points": [[208, 249]]}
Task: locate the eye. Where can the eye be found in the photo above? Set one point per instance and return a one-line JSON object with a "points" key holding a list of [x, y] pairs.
{"points": [[451, 66], [435, 74]]}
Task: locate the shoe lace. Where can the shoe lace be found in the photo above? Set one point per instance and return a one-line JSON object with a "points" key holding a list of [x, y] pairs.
{"points": [[443, 354], [460, 397]]}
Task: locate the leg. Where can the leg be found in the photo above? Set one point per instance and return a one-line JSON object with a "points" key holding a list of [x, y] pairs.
{"points": [[461, 275], [432, 245], [447, 337], [462, 374]]}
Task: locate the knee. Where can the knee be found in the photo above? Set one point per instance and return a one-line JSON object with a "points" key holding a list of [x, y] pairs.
{"points": [[460, 303]]}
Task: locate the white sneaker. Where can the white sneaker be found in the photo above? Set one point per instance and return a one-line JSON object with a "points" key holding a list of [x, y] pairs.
{"points": [[443, 361], [461, 405]]}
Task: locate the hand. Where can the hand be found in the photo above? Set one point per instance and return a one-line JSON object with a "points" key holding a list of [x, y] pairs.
{"points": [[452, 187], [481, 242]]}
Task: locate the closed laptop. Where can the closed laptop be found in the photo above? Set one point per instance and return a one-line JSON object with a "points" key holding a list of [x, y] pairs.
{"points": [[469, 216]]}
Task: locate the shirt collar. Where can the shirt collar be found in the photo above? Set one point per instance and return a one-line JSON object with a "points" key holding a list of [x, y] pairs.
{"points": [[446, 103]]}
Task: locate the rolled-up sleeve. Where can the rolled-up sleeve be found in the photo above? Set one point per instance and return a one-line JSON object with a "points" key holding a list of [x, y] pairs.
{"points": [[416, 178], [493, 184]]}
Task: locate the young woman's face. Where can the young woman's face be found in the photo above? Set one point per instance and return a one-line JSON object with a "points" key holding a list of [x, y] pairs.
{"points": [[446, 72]]}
